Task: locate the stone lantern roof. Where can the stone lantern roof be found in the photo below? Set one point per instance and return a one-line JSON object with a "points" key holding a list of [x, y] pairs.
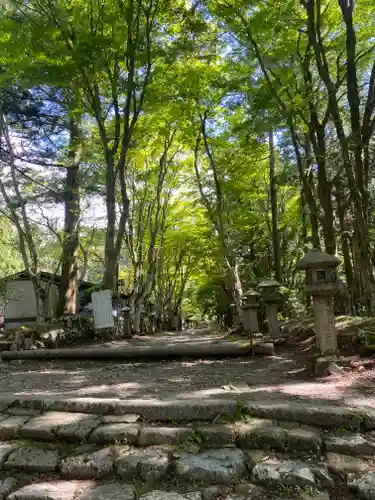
{"points": [[251, 293], [269, 283], [316, 258]]}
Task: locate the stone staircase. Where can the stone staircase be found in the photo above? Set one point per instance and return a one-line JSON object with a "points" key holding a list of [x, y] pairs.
{"points": [[93, 449]]}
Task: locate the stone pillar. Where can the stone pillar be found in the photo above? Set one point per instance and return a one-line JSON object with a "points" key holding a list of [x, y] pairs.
{"points": [[249, 306], [271, 297], [326, 337], [127, 329], [322, 284]]}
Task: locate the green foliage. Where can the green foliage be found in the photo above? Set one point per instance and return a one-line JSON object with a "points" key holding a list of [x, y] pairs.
{"points": [[10, 262]]}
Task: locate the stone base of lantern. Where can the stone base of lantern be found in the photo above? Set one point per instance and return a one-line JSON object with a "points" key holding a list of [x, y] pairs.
{"points": [[326, 337]]}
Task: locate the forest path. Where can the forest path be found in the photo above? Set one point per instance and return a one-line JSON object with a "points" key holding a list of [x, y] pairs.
{"points": [[278, 378]]}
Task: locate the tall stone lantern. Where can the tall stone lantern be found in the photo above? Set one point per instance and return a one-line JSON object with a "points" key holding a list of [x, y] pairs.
{"points": [[271, 296], [322, 285], [249, 306]]}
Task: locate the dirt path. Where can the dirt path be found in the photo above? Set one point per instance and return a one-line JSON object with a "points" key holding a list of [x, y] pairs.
{"points": [[279, 378]]}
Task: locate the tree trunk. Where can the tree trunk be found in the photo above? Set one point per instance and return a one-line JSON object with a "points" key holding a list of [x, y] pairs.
{"points": [[110, 257], [273, 196], [67, 302], [137, 317], [345, 248]]}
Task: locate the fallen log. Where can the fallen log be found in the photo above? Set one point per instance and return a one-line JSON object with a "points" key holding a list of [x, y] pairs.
{"points": [[225, 349]]}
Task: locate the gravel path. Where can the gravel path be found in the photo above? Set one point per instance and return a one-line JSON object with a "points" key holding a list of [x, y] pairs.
{"points": [[279, 378]]}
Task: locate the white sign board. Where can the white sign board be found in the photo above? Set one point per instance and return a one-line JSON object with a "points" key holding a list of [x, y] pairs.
{"points": [[102, 309]]}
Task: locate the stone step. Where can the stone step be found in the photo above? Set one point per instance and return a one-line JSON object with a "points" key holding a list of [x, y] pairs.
{"points": [[27, 489], [26, 423], [182, 410], [326, 416], [177, 410], [259, 449]]}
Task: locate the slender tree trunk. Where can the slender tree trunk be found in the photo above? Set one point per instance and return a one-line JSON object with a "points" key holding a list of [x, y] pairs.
{"points": [[67, 302], [345, 248], [273, 195], [110, 256], [137, 317]]}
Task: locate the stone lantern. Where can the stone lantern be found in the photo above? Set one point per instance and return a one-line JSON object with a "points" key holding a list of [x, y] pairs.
{"points": [[127, 331], [322, 285], [249, 306], [271, 296]]}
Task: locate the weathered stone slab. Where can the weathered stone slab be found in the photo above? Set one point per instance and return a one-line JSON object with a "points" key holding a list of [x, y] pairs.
{"points": [[300, 438], [111, 491], [32, 459], [290, 472], [368, 418], [10, 427], [46, 426], [214, 492], [123, 433], [255, 456], [54, 490], [5, 404], [149, 409], [346, 463], [222, 466], [260, 433], [130, 418], [351, 444], [169, 495], [364, 485], [147, 464], [7, 485], [5, 450], [152, 436], [312, 495], [19, 411], [78, 430], [3, 416], [94, 465], [217, 435], [324, 416], [193, 495]]}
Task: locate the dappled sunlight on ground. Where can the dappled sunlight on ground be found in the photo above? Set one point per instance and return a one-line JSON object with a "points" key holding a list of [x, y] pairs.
{"points": [[278, 378]]}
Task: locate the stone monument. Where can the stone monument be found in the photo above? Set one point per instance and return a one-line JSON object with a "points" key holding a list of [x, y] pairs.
{"points": [[102, 309], [271, 296], [127, 329], [322, 284], [249, 306]]}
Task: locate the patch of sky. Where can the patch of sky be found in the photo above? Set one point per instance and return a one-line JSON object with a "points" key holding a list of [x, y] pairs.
{"points": [[233, 99]]}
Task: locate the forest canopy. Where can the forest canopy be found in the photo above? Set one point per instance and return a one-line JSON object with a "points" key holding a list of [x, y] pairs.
{"points": [[179, 152]]}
